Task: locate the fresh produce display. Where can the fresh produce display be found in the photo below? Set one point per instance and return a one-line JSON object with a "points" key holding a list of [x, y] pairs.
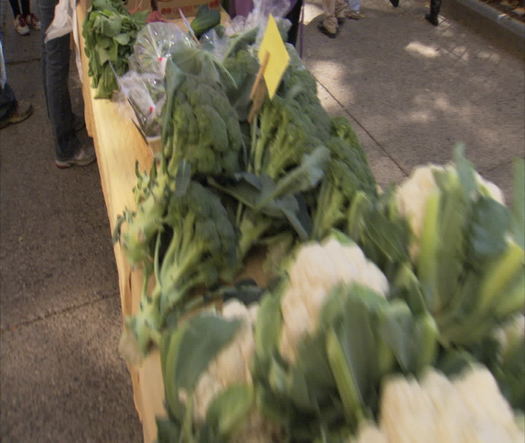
{"points": [[109, 33], [389, 315]]}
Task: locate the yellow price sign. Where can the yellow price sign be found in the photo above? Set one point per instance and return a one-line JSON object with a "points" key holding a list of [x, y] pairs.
{"points": [[273, 50]]}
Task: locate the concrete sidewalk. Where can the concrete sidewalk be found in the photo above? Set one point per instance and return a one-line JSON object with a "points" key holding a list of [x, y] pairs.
{"points": [[411, 90]]}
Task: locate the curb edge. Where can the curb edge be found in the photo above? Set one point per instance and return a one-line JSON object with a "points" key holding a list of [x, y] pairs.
{"points": [[500, 18]]}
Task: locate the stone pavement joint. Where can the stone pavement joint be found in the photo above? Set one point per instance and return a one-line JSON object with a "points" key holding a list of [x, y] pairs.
{"points": [[49, 315], [349, 113], [20, 62]]}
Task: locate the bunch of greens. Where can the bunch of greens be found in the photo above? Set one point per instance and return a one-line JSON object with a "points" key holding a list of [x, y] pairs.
{"points": [[109, 33], [154, 44]]}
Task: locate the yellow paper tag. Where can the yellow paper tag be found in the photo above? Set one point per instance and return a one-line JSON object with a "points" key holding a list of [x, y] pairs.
{"points": [[278, 60]]}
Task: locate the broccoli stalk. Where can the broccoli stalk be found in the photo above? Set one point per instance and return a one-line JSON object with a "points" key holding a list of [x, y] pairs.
{"points": [[152, 195], [201, 250]]}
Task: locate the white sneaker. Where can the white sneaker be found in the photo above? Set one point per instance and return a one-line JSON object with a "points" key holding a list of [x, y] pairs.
{"points": [[21, 25]]}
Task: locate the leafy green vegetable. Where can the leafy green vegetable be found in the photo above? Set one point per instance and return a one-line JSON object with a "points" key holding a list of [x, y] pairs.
{"points": [[109, 32], [205, 19]]}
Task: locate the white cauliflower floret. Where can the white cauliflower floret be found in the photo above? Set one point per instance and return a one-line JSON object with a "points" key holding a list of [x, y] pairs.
{"points": [[369, 433], [510, 332], [232, 364], [413, 194], [315, 271], [256, 430], [468, 409]]}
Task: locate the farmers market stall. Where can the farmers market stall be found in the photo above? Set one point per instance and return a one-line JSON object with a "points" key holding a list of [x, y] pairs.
{"points": [[270, 290]]}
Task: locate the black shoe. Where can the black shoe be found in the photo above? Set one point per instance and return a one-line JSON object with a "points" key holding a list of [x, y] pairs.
{"points": [[431, 19], [395, 3]]}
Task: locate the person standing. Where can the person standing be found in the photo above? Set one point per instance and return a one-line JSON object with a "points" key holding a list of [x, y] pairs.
{"points": [[55, 71], [335, 12], [432, 16], [354, 12], [12, 111], [24, 18]]}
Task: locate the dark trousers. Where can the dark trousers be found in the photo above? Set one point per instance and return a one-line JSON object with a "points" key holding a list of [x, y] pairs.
{"points": [[295, 17], [435, 6], [7, 95], [15, 6], [7, 102], [55, 72]]}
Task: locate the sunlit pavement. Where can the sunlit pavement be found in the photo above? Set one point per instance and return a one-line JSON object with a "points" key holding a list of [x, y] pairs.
{"points": [[411, 91]]}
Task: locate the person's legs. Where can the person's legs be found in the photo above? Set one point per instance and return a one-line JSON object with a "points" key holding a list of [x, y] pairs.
{"points": [[11, 110], [20, 24], [432, 17], [26, 7], [7, 102], [294, 16], [55, 72], [354, 8], [55, 68], [30, 18], [329, 25], [15, 7]]}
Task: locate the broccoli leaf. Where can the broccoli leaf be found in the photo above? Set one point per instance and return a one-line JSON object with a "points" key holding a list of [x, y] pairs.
{"points": [[489, 224], [196, 350], [229, 410]]}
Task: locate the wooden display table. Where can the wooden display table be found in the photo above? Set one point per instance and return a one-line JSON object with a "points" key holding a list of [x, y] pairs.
{"points": [[119, 145]]}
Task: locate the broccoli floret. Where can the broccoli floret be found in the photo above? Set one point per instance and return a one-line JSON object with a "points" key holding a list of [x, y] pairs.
{"points": [[201, 250], [348, 172], [198, 127]]}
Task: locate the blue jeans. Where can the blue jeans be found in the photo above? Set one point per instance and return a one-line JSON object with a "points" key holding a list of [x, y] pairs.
{"points": [[7, 96], [55, 71], [7, 102]]}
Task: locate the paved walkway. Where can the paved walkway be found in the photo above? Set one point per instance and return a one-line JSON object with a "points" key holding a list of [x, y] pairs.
{"points": [[411, 90]]}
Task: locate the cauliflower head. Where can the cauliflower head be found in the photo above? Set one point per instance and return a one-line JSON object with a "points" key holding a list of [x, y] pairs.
{"points": [[437, 409], [412, 196], [317, 268], [232, 364]]}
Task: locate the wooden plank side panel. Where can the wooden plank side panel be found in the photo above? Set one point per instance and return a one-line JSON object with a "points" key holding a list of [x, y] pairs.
{"points": [[119, 146]]}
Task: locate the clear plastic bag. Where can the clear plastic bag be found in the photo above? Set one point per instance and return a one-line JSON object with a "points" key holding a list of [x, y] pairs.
{"points": [[146, 95], [259, 16], [155, 43], [216, 43], [62, 23]]}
